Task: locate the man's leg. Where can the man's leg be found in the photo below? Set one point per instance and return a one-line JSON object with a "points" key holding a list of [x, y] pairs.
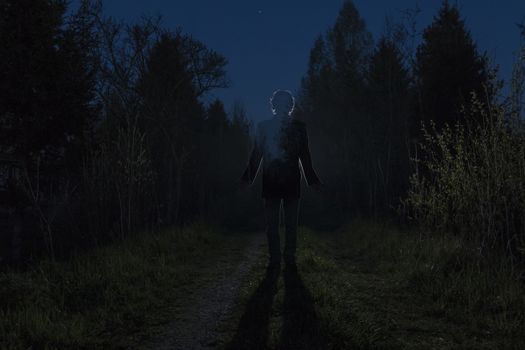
{"points": [[291, 214], [272, 208]]}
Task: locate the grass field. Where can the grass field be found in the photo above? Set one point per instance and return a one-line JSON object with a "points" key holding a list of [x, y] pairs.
{"points": [[365, 286], [368, 286], [114, 297]]}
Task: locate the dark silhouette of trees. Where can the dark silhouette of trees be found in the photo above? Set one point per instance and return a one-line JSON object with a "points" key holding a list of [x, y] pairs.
{"points": [[214, 140], [47, 80], [448, 68], [388, 84], [112, 124], [172, 115], [331, 103], [117, 127], [47, 104], [225, 144], [365, 103], [356, 99]]}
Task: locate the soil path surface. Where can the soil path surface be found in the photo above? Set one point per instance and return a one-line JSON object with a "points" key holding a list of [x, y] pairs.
{"points": [[197, 322]]}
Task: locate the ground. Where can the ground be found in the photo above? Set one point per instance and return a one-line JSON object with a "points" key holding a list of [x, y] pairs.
{"points": [[362, 287], [336, 298], [198, 322]]}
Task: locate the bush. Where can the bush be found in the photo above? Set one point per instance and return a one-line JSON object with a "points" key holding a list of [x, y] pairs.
{"points": [[471, 181]]}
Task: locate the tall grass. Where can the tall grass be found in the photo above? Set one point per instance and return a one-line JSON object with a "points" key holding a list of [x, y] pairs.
{"points": [[99, 299], [471, 181], [377, 287]]}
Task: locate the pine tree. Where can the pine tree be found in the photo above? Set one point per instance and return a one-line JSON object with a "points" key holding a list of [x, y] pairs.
{"points": [[448, 68], [217, 120], [388, 87], [173, 118], [46, 80], [331, 103]]}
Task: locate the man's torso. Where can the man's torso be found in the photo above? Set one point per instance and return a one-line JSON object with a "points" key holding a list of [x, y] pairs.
{"points": [[281, 141]]}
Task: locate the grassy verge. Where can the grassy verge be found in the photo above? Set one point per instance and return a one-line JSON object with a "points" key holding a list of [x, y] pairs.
{"points": [[113, 297], [372, 287]]}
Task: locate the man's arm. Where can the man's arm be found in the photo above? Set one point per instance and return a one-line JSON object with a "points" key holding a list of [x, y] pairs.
{"points": [[255, 161], [306, 160]]}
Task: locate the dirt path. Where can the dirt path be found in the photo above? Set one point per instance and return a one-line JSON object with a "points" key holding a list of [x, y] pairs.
{"points": [[344, 294], [196, 326]]}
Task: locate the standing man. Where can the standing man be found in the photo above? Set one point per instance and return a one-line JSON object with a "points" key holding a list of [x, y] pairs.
{"points": [[281, 143]]}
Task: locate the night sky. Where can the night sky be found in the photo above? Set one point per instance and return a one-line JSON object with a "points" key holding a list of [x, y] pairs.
{"points": [[267, 43]]}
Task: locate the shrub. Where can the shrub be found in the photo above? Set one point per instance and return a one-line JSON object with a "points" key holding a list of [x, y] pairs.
{"points": [[471, 180]]}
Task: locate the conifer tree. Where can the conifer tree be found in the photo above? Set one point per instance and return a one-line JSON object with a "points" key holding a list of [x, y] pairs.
{"points": [[47, 79], [448, 68]]}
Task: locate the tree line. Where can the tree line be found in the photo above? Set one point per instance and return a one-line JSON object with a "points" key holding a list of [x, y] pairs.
{"points": [[421, 134], [108, 128], [366, 102]]}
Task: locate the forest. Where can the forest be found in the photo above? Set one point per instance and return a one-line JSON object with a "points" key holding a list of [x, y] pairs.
{"points": [[120, 189]]}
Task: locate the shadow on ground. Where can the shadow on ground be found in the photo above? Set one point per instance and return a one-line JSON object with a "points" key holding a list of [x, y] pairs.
{"points": [[300, 324]]}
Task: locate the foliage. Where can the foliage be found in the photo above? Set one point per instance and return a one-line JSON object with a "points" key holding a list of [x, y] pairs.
{"points": [[105, 298], [331, 103], [48, 81], [388, 129], [448, 68], [355, 99], [47, 109], [369, 285], [110, 121], [471, 181]]}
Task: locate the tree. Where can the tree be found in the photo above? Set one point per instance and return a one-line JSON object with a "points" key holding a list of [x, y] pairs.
{"points": [[47, 80], [178, 71], [216, 118], [349, 45], [119, 174], [388, 87], [331, 103], [215, 156], [448, 68], [47, 101]]}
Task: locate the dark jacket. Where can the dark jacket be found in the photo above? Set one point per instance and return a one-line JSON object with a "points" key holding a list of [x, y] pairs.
{"points": [[280, 143]]}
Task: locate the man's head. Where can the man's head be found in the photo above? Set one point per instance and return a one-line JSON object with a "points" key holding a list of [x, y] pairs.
{"points": [[282, 102]]}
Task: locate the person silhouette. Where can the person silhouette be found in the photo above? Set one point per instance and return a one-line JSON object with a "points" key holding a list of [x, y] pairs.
{"points": [[281, 146]]}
